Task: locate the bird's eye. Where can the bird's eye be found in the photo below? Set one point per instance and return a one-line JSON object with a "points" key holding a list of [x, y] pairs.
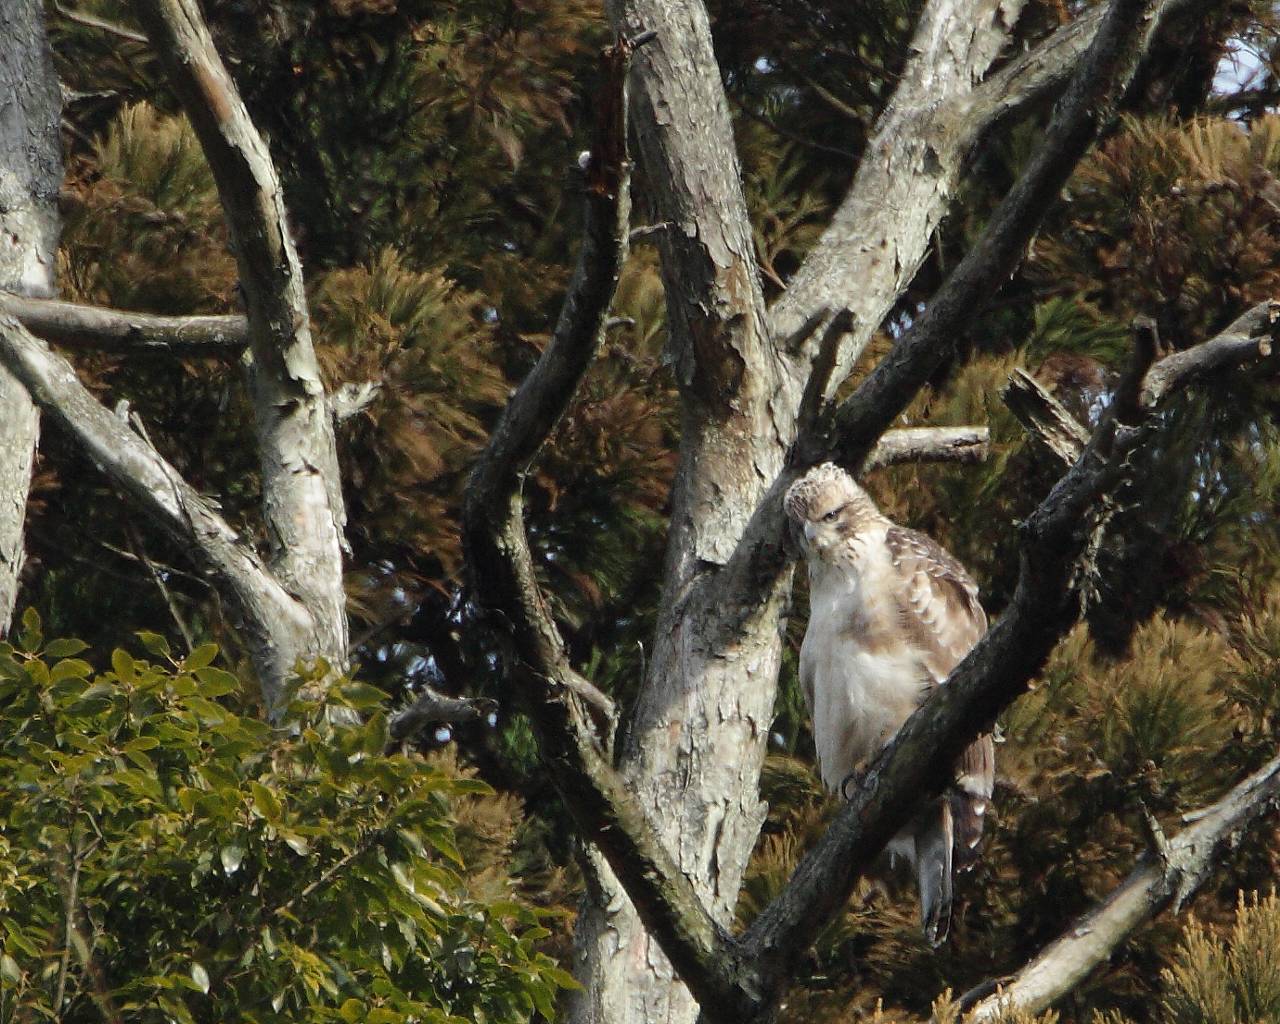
{"points": [[830, 517]]}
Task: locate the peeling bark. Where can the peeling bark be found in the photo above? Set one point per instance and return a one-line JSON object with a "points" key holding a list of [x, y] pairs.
{"points": [[30, 177]]}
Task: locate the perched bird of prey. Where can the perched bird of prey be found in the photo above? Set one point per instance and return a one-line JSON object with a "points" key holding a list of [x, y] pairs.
{"points": [[891, 613]]}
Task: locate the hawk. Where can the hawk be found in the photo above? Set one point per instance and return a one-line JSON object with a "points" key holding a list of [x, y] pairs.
{"points": [[891, 613]]}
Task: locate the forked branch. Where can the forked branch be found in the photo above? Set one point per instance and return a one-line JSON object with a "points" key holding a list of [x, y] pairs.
{"points": [[1158, 882], [504, 580]]}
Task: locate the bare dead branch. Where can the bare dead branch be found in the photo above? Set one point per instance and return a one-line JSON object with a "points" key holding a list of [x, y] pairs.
{"points": [[1250, 337], [77, 326], [302, 494], [1159, 881], [1031, 76], [1044, 417], [930, 444]]}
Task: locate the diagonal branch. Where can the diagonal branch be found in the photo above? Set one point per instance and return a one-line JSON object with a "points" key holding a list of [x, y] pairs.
{"points": [[1096, 88], [1166, 879], [1059, 542], [502, 573], [1044, 417], [158, 488], [879, 234], [78, 326]]}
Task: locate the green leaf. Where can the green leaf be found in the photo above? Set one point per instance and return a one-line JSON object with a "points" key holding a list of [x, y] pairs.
{"points": [[123, 665], [214, 682], [31, 638], [70, 668], [201, 657], [154, 643], [9, 968], [65, 647], [296, 843], [266, 802], [201, 977], [361, 696]]}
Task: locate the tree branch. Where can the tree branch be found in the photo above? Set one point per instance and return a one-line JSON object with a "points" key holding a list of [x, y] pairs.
{"points": [[1158, 881], [1044, 417], [77, 326], [301, 484], [881, 231], [1060, 540], [930, 444], [158, 488], [1096, 87], [1249, 337], [433, 708], [502, 573]]}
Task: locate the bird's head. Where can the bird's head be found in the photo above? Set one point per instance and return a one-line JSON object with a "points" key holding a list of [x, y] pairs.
{"points": [[828, 507]]}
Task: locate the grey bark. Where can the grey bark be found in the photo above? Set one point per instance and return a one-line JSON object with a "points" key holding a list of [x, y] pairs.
{"points": [[74, 325], [692, 751], [272, 618], [30, 176]]}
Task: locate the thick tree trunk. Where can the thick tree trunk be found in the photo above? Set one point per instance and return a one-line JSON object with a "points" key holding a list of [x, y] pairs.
{"points": [[694, 746], [693, 749], [30, 176]]}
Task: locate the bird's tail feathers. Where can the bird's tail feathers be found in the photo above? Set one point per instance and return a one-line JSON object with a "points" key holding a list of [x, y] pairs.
{"points": [[934, 840]]}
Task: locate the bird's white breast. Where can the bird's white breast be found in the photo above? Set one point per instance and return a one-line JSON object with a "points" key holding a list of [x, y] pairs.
{"points": [[866, 679]]}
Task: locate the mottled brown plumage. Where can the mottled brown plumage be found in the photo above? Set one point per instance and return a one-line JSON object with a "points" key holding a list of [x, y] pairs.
{"points": [[891, 614]]}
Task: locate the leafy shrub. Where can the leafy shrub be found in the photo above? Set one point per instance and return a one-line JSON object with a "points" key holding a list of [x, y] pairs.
{"points": [[164, 858]]}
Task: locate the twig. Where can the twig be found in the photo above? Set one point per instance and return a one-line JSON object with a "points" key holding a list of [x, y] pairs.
{"points": [[93, 21], [158, 579]]}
